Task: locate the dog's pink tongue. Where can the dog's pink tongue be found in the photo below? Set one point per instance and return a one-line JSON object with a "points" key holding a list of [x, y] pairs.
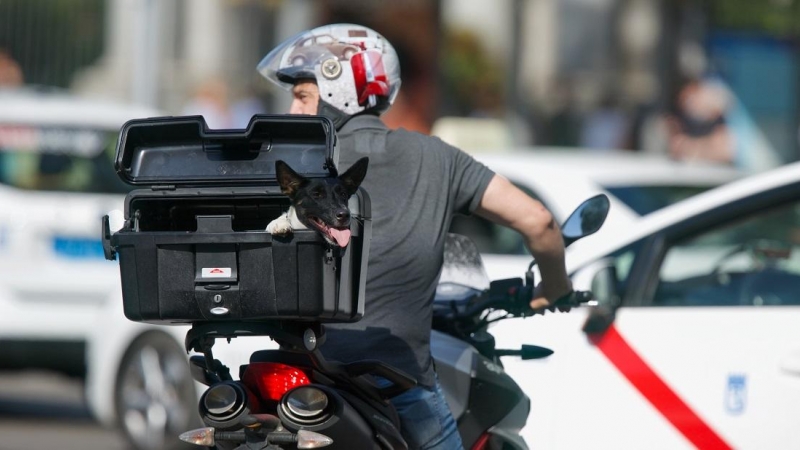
{"points": [[342, 237]]}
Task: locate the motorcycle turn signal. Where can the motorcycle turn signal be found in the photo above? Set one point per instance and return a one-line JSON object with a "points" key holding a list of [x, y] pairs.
{"points": [[208, 437]]}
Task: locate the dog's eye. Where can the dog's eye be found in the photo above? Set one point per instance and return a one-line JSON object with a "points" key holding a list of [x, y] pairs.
{"points": [[318, 194], [338, 190]]}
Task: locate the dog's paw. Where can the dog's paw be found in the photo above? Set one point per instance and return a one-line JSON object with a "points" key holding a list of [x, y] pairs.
{"points": [[280, 226]]}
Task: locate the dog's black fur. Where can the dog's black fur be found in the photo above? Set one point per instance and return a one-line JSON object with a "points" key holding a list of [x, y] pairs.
{"points": [[318, 203]]}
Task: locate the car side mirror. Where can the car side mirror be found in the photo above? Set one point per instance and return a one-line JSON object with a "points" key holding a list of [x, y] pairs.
{"points": [[605, 290]]}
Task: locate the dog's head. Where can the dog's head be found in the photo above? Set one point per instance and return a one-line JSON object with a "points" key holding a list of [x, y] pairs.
{"points": [[321, 203]]}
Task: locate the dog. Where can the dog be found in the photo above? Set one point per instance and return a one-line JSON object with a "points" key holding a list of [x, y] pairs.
{"points": [[318, 203]]}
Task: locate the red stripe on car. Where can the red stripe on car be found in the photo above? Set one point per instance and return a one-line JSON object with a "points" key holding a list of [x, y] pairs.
{"points": [[656, 391]]}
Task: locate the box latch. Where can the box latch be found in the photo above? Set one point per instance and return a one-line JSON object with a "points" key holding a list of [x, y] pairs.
{"points": [[216, 272]]}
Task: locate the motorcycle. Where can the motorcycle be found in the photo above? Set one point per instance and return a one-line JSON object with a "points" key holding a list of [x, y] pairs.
{"points": [[294, 398], [488, 405]]}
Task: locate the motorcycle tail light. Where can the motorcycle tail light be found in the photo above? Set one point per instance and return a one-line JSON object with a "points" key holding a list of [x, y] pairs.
{"points": [[272, 380]]}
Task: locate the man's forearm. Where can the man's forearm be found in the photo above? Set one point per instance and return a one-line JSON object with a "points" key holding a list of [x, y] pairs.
{"points": [[550, 259], [507, 205]]}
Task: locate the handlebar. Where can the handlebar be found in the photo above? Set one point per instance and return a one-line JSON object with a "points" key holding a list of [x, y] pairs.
{"points": [[515, 297], [567, 302]]}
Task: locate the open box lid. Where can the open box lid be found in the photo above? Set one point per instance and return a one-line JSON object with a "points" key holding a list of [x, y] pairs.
{"points": [[183, 151]]}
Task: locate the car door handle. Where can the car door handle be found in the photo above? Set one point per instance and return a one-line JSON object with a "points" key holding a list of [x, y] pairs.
{"points": [[790, 364]]}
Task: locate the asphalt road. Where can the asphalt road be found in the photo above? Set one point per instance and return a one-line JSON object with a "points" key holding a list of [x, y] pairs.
{"points": [[46, 411]]}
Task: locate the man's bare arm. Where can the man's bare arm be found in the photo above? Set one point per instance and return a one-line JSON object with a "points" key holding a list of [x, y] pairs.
{"points": [[507, 205]]}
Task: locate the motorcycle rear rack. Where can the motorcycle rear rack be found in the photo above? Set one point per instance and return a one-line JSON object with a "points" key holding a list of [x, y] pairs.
{"points": [[302, 337]]}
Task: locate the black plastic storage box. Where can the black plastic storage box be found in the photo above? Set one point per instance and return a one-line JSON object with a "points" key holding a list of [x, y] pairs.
{"points": [[194, 246]]}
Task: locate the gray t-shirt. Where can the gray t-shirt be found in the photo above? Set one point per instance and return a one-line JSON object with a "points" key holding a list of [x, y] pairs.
{"points": [[416, 185]]}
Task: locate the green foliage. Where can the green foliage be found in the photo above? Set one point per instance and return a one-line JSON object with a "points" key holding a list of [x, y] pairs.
{"points": [[472, 76], [777, 17]]}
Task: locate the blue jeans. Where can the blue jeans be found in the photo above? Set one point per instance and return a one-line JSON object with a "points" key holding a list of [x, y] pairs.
{"points": [[425, 419]]}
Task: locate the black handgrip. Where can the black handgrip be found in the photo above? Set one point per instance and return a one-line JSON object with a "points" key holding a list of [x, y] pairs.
{"points": [[583, 297]]}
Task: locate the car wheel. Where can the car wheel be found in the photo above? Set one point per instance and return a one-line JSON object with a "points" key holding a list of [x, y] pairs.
{"points": [[154, 394]]}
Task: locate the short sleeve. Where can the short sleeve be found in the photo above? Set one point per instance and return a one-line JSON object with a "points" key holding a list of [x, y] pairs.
{"points": [[469, 179]]}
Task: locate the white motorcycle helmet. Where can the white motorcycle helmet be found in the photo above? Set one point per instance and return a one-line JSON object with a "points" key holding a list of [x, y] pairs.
{"points": [[356, 69]]}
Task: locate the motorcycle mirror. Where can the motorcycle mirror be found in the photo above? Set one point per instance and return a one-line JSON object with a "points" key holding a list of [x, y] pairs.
{"points": [[586, 219]]}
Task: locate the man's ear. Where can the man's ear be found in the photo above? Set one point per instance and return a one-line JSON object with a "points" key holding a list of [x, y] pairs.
{"points": [[351, 179], [289, 180]]}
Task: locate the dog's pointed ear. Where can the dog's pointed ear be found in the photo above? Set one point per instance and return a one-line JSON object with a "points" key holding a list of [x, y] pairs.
{"points": [[288, 179], [352, 177]]}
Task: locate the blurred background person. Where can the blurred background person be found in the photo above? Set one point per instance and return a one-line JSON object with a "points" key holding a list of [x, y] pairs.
{"points": [[697, 127], [210, 100], [245, 107], [607, 127], [10, 71], [707, 123]]}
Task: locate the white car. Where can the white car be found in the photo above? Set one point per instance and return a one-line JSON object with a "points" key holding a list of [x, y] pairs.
{"points": [[60, 298], [695, 342], [561, 179], [56, 182]]}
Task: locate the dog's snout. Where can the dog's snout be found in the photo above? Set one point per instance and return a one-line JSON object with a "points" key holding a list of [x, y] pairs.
{"points": [[342, 215]]}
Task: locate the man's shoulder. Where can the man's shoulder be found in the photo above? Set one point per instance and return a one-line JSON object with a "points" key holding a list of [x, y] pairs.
{"points": [[423, 140], [408, 140]]}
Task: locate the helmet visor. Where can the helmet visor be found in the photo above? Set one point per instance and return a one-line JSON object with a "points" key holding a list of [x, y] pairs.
{"points": [[298, 57]]}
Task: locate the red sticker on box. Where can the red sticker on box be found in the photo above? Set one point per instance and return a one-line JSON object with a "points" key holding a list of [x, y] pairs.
{"points": [[216, 272]]}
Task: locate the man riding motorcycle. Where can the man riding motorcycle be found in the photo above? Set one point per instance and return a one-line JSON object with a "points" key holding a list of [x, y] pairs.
{"points": [[417, 183]]}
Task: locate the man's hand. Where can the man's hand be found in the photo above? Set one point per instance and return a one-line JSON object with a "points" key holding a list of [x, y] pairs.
{"points": [[564, 303], [541, 304], [546, 295]]}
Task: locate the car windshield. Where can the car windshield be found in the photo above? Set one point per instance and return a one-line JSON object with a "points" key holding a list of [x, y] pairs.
{"points": [[59, 159], [646, 199]]}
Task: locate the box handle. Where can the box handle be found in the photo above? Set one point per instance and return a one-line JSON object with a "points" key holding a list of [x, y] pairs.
{"points": [[108, 249]]}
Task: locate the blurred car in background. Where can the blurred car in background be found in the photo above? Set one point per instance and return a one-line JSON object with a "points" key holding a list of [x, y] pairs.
{"points": [[636, 184], [695, 341], [138, 378], [61, 300], [56, 181]]}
